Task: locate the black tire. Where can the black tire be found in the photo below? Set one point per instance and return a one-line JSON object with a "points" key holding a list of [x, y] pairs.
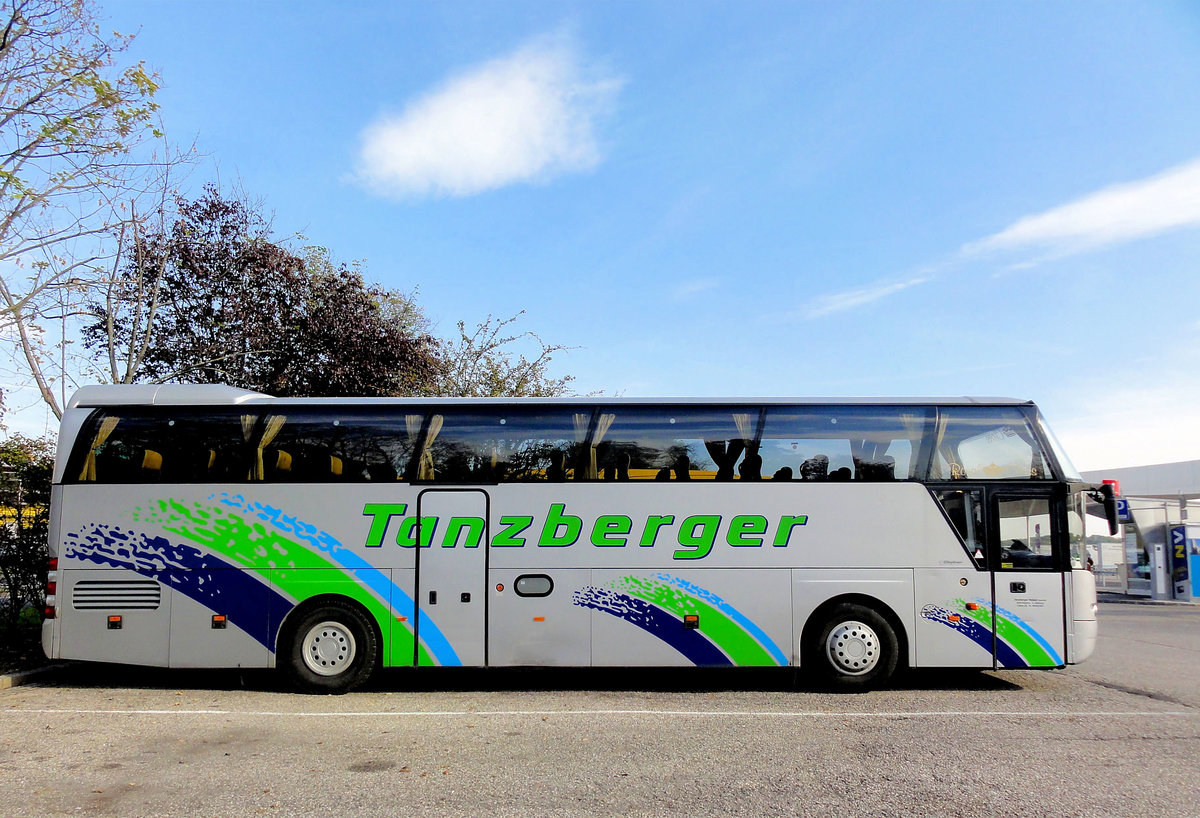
{"points": [[330, 649], [854, 648]]}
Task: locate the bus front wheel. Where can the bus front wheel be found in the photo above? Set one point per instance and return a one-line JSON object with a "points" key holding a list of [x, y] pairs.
{"points": [[854, 648], [332, 649]]}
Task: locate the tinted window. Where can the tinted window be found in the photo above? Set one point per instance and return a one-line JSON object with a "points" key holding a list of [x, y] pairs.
{"points": [[501, 445], [834, 443], [674, 443], [965, 510], [307, 445], [152, 447], [482, 444], [986, 443]]}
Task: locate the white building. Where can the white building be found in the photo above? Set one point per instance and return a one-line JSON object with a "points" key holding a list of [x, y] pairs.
{"points": [[1158, 554]]}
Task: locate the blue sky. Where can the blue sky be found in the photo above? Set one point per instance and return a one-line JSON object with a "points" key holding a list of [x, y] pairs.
{"points": [[745, 199]]}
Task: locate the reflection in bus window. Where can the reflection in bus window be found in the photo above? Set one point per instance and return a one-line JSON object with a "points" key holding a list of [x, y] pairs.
{"points": [[1025, 534], [988, 443], [832, 443], [576, 442], [333, 446], [151, 447], [685, 443], [965, 510], [501, 445]]}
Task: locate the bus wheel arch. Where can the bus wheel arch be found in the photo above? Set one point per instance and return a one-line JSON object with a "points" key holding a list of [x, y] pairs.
{"points": [[853, 642], [328, 644]]}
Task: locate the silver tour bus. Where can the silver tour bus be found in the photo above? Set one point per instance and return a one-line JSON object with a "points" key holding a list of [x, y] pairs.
{"points": [[206, 526]]}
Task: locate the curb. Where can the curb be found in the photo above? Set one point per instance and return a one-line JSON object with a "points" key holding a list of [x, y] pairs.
{"points": [[26, 676], [1125, 600]]}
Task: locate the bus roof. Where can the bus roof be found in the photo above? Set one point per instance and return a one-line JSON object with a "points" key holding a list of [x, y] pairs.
{"points": [[217, 395]]}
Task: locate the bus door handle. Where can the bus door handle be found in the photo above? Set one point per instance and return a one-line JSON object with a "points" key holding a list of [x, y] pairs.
{"points": [[1016, 587], [433, 597]]}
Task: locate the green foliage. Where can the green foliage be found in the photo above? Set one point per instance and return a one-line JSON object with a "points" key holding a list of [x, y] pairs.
{"points": [[26, 468], [214, 298], [21, 641]]}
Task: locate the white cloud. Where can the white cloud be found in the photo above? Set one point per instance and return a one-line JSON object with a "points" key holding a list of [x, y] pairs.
{"points": [[528, 116], [849, 299], [1114, 215]]}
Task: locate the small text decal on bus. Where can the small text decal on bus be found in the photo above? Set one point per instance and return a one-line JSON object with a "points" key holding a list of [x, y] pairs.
{"points": [[693, 536]]}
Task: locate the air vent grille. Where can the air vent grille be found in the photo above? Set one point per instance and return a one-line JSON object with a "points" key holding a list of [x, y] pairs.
{"points": [[116, 594]]}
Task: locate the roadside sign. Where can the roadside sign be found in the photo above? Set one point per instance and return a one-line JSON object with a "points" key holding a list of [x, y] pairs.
{"points": [[1177, 560], [1123, 515]]}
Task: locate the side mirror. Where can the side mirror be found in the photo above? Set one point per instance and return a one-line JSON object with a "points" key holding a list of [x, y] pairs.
{"points": [[1110, 507]]}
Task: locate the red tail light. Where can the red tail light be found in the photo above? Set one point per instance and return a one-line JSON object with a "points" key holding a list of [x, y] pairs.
{"points": [[51, 587]]}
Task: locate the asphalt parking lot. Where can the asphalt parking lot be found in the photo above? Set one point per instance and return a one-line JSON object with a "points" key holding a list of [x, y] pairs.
{"points": [[1119, 735]]}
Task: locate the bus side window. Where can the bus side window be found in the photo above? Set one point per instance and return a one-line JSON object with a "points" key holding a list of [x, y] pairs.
{"points": [[205, 447], [836, 443], [965, 510], [988, 443], [125, 450], [502, 444], [678, 443]]}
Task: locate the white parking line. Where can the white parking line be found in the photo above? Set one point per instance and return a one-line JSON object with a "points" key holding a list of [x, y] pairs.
{"points": [[798, 714]]}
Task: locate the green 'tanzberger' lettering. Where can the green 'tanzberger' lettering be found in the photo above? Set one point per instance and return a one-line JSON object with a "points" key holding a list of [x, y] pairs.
{"points": [[609, 530], [695, 535], [510, 527], [698, 534], [786, 523], [556, 520], [406, 535], [742, 526], [473, 527], [381, 514], [653, 523]]}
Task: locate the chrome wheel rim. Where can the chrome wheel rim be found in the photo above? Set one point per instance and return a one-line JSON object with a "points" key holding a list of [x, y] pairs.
{"points": [[328, 648], [853, 648]]}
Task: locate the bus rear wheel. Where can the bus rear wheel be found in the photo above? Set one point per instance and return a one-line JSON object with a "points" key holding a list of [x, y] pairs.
{"points": [[332, 649], [854, 648]]}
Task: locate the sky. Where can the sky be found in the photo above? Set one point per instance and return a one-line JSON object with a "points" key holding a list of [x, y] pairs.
{"points": [[743, 199]]}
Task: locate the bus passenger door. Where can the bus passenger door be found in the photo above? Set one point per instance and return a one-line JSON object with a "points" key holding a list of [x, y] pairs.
{"points": [[452, 577], [1028, 554]]}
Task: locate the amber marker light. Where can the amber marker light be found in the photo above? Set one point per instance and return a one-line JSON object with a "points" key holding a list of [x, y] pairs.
{"points": [[972, 606], [114, 623], [691, 621]]}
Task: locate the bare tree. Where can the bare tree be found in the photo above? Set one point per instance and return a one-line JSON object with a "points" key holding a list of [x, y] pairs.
{"points": [[132, 288], [70, 120], [483, 363]]}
